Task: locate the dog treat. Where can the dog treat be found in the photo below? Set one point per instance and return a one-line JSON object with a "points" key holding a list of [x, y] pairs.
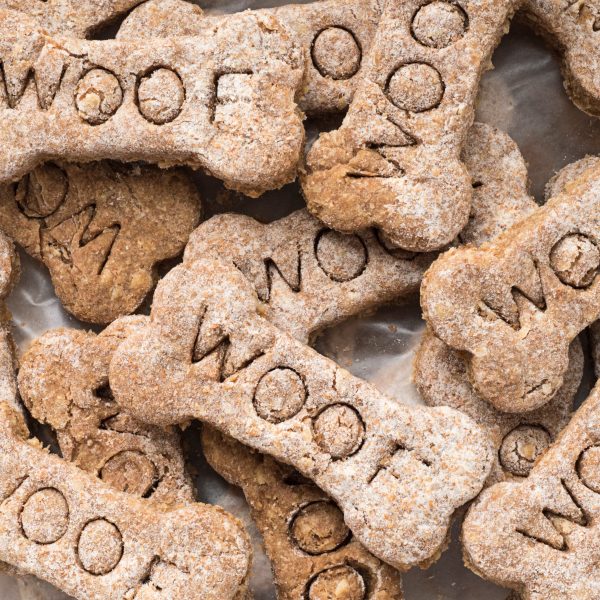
{"points": [[440, 376], [514, 305], [571, 27], [313, 553], [63, 381], [78, 18], [500, 198], [335, 36], [395, 162], [540, 537], [222, 101], [100, 230], [93, 542], [306, 275], [398, 473]]}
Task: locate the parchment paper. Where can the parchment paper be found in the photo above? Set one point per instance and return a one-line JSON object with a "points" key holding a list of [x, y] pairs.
{"points": [[524, 96]]}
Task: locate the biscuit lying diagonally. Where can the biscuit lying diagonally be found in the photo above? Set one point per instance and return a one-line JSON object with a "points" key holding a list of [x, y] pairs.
{"points": [[63, 381], [398, 473], [335, 36], [198, 101], [500, 199], [395, 161], [540, 537], [515, 305], [91, 541], [313, 553], [100, 230], [78, 18]]}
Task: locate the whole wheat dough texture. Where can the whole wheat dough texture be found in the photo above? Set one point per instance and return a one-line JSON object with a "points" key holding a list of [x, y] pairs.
{"points": [[514, 306], [63, 380], [500, 198], [313, 553], [101, 230], [540, 537], [397, 473], [222, 101], [395, 161], [335, 36]]}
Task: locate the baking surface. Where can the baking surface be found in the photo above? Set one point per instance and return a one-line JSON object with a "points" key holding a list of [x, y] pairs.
{"points": [[524, 97]]}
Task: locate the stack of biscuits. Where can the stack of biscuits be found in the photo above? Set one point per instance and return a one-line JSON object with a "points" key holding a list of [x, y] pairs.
{"points": [[215, 320]]}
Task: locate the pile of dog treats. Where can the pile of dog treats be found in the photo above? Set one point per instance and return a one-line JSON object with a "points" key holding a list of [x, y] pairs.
{"points": [[347, 486]]}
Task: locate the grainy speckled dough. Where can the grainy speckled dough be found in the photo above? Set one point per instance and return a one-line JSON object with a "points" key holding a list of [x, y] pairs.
{"points": [[101, 230], [91, 541], [395, 161], [208, 354], [540, 537], [515, 305], [307, 276], [500, 198], [207, 104], [335, 36], [311, 549], [63, 380]]}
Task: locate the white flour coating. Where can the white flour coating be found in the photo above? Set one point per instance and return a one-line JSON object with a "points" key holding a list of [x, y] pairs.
{"points": [[239, 120], [63, 381], [204, 354], [318, 27], [395, 162], [540, 537], [505, 307]]}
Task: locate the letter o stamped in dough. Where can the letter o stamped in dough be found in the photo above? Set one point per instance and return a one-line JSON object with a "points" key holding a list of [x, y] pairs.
{"points": [[45, 516]]}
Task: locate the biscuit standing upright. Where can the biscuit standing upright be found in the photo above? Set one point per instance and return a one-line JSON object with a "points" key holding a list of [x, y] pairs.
{"points": [[198, 101], [395, 161]]}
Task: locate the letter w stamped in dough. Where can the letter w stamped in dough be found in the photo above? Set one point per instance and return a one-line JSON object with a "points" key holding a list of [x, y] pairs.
{"points": [[198, 101], [541, 537], [515, 305], [397, 473]]}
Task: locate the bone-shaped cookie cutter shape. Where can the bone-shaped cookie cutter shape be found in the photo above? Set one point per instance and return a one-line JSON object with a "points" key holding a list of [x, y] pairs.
{"points": [[335, 36], [395, 162], [214, 358], [63, 381], [93, 542], [540, 537], [500, 198], [101, 231], [514, 305], [312, 551], [307, 276], [572, 27], [78, 18], [198, 101]]}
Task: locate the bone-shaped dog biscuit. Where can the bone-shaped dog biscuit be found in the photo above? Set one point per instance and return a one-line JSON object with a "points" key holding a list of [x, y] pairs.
{"points": [[101, 231], [199, 101], [335, 36], [78, 18], [540, 537], [500, 198], [397, 473], [395, 161], [307, 276], [514, 305], [63, 381], [313, 553], [93, 542]]}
